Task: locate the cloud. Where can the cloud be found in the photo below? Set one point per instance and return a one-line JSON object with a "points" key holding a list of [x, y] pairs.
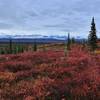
{"points": [[5, 26], [45, 16]]}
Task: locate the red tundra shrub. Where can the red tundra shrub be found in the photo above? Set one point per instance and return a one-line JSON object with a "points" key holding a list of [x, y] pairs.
{"points": [[6, 77], [50, 76], [17, 66]]}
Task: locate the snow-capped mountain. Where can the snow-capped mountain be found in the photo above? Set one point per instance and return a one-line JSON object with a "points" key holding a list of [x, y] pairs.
{"points": [[33, 37]]}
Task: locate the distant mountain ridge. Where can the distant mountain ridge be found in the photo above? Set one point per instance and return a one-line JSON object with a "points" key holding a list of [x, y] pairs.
{"points": [[34, 38]]}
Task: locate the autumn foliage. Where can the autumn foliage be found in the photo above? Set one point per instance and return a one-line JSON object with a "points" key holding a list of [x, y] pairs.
{"points": [[50, 75]]}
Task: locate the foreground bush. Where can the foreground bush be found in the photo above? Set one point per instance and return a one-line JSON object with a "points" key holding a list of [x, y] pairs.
{"points": [[50, 76]]}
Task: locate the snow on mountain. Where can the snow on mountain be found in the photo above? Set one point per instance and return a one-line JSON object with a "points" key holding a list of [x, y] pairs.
{"points": [[33, 36]]}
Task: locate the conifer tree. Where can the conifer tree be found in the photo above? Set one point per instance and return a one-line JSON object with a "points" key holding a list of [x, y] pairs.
{"points": [[67, 45], [68, 42], [92, 38], [72, 40], [35, 46], [10, 45]]}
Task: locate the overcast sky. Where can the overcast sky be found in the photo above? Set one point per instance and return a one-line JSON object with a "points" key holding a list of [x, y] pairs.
{"points": [[48, 17]]}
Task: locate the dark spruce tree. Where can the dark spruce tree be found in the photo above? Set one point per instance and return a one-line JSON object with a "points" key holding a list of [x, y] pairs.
{"points": [[67, 45], [68, 42], [92, 38], [10, 46], [35, 46], [72, 40]]}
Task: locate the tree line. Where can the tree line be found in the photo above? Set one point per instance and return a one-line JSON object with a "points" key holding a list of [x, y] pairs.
{"points": [[91, 42]]}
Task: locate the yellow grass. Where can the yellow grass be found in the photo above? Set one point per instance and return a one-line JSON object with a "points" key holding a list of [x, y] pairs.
{"points": [[97, 51]]}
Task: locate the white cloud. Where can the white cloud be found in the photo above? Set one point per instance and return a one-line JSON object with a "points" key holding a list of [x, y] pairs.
{"points": [[48, 16]]}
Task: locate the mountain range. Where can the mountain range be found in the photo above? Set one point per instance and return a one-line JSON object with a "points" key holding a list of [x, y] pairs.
{"points": [[34, 38]]}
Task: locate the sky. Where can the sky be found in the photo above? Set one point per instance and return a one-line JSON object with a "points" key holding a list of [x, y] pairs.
{"points": [[48, 17]]}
